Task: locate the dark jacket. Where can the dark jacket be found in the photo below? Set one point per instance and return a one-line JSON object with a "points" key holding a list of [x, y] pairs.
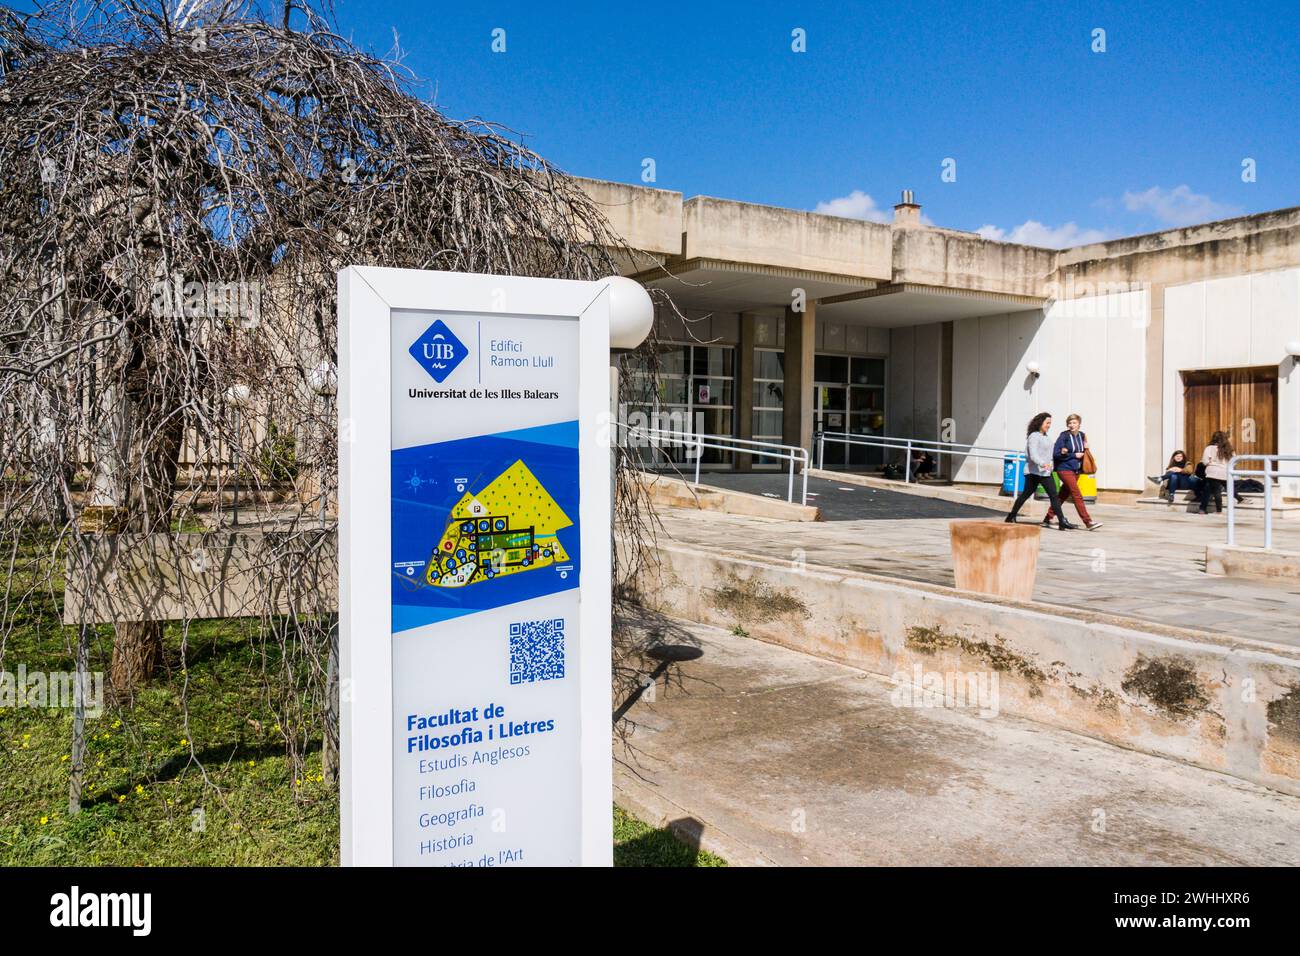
{"points": [[1064, 450]]}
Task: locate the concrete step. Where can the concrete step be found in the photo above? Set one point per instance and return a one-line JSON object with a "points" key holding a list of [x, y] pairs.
{"points": [[1253, 505], [1248, 495]]}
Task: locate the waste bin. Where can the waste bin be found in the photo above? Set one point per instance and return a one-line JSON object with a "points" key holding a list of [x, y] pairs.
{"points": [[1013, 474], [1087, 488]]}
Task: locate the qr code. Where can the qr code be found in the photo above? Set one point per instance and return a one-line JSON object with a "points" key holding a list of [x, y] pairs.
{"points": [[536, 650]]}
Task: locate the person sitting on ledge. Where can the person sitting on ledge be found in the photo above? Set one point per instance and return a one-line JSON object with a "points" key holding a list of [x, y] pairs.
{"points": [[922, 465], [1179, 476]]}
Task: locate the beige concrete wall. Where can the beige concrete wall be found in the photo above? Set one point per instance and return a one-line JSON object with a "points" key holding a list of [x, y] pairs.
{"points": [[647, 219], [1269, 240], [766, 235], [1227, 704], [961, 260], [674, 492], [168, 577]]}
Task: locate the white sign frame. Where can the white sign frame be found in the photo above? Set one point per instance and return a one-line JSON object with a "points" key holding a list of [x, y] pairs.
{"points": [[367, 296]]}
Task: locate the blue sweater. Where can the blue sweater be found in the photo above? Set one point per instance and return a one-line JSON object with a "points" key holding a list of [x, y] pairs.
{"points": [[1064, 451]]}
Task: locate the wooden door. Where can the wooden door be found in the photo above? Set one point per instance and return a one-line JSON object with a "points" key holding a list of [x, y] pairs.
{"points": [[1239, 401]]}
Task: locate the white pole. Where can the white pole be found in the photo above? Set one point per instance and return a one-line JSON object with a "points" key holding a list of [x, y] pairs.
{"points": [[1268, 504], [907, 464], [805, 483], [1232, 497]]}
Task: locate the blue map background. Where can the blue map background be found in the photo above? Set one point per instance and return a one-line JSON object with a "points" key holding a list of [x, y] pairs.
{"points": [[424, 492]]}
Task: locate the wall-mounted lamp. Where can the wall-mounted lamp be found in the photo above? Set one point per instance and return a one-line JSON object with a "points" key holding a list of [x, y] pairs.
{"points": [[1034, 369], [323, 379], [1293, 348], [631, 313]]}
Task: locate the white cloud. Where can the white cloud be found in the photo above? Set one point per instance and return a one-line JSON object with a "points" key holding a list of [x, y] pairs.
{"points": [[856, 205], [1034, 233], [1178, 206]]}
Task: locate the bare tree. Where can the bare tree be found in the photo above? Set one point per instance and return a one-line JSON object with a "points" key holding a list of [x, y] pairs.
{"points": [[179, 185]]}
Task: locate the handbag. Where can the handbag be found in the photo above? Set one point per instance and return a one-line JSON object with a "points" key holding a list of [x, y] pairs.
{"points": [[1200, 470], [1089, 466]]}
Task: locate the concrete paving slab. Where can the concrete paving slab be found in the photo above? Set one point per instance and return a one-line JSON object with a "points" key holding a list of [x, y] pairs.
{"points": [[775, 757], [1151, 564]]}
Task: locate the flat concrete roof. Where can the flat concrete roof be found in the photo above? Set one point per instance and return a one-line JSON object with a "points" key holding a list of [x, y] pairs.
{"points": [[713, 284], [900, 304], [712, 254]]}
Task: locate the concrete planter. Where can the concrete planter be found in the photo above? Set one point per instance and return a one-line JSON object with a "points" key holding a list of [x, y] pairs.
{"points": [[994, 557]]}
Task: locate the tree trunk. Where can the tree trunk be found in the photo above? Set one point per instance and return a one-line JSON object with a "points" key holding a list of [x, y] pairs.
{"points": [[137, 650], [330, 747], [154, 430]]}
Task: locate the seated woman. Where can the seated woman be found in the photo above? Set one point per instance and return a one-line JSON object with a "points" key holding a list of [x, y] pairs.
{"points": [[1180, 475], [922, 465]]}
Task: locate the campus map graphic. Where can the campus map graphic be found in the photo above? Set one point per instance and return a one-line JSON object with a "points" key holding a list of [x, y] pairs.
{"points": [[508, 527]]}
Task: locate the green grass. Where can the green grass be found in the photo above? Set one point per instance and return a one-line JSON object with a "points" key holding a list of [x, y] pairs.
{"points": [[196, 772], [639, 844]]}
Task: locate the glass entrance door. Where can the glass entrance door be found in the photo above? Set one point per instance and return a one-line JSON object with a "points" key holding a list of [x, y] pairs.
{"points": [[830, 414], [849, 396]]}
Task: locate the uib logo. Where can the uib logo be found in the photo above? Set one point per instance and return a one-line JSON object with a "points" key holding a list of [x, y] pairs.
{"points": [[438, 351]]}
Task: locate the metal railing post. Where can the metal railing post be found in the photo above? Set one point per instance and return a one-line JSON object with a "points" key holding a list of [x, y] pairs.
{"points": [[907, 463], [805, 479], [699, 458], [1232, 498], [1268, 504], [821, 450], [789, 490]]}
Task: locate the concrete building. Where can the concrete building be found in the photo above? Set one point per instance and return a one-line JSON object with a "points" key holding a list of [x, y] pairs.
{"points": [[796, 322]]}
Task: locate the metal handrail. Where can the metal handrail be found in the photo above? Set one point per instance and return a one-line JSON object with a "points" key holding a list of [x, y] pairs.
{"points": [[1268, 474], [907, 444], [749, 446]]}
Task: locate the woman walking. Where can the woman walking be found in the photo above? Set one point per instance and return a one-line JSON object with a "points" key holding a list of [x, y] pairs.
{"points": [[1067, 457], [1038, 449], [1215, 458]]}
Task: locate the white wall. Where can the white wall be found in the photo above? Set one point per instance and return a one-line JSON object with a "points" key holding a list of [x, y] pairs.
{"points": [[1091, 352], [1228, 323], [915, 380]]}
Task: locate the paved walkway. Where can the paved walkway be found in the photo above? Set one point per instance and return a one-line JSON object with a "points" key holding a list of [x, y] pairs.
{"points": [[775, 757], [1141, 564], [844, 502]]}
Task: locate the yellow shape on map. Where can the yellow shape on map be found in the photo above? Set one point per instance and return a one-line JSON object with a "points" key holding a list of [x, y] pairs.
{"points": [[507, 527]]}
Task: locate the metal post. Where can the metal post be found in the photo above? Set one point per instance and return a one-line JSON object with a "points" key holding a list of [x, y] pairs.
{"points": [[907, 463], [239, 457], [789, 491], [1268, 504], [821, 451], [699, 457], [805, 483], [76, 776], [1232, 497]]}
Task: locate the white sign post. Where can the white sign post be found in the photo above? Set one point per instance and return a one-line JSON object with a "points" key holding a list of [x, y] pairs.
{"points": [[475, 561]]}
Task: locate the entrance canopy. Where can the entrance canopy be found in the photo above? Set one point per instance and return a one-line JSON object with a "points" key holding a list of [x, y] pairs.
{"points": [[894, 305], [715, 284]]}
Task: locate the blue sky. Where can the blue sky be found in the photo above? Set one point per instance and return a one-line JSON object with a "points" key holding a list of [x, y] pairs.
{"points": [[1053, 142]]}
